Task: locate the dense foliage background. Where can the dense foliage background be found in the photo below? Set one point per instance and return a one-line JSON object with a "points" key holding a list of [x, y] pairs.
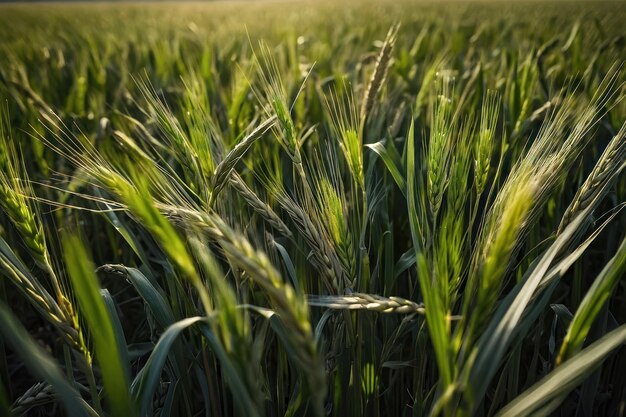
{"points": [[307, 208]]}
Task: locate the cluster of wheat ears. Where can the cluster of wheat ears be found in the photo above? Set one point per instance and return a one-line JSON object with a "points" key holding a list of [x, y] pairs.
{"points": [[294, 228]]}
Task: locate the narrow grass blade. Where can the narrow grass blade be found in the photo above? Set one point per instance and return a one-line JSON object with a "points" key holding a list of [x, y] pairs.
{"points": [[118, 329], [564, 378], [103, 332], [591, 305]]}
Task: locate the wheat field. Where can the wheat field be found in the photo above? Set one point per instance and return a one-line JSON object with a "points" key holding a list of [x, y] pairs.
{"points": [[313, 208]]}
